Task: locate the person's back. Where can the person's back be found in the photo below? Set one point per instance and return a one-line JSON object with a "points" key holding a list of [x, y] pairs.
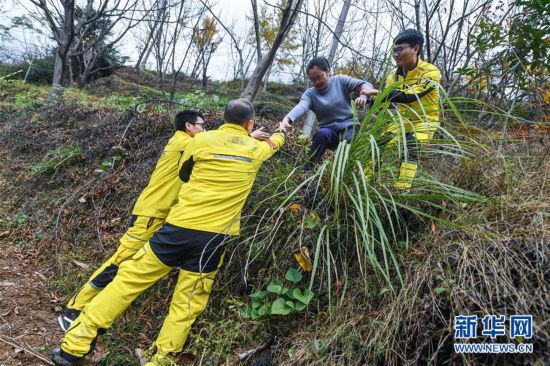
{"points": [[162, 190], [224, 165]]}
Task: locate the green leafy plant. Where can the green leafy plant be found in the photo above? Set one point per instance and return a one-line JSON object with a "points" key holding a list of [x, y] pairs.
{"points": [[112, 162], [56, 158], [278, 299], [122, 101], [19, 219], [200, 100]]}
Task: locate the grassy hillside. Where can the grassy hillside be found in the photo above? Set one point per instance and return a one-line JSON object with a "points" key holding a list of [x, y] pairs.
{"points": [[475, 242]]}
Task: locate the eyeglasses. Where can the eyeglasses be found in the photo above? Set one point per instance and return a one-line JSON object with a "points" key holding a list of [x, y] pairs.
{"points": [[317, 79], [398, 50]]}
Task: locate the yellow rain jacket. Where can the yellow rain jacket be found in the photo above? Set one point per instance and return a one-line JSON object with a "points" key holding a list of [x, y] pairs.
{"points": [[224, 164], [162, 191], [417, 95]]}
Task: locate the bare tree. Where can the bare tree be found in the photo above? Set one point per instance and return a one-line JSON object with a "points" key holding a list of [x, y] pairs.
{"points": [[63, 30], [290, 12], [146, 44], [206, 41], [59, 17]]}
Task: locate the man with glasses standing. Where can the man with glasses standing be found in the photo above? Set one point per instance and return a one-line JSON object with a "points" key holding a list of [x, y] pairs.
{"points": [[416, 97]]}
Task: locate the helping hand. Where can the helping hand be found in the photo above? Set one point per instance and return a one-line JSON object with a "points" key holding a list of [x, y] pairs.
{"points": [[285, 124], [369, 92], [260, 135], [361, 101]]}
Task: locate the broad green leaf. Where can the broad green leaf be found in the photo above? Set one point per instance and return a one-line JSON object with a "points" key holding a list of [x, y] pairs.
{"points": [[254, 314], [258, 295], [319, 347], [439, 290], [290, 304], [256, 303], [299, 306], [275, 287], [304, 297], [292, 351], [279, 307], [245, 313], [264, 310], [293, 275]]}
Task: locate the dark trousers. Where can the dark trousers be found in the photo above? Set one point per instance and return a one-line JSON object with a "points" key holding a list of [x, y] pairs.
{"points": [[328, 138]]}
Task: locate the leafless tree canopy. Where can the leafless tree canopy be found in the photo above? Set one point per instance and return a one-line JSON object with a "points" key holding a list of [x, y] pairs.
{"points": [[471, 41]]}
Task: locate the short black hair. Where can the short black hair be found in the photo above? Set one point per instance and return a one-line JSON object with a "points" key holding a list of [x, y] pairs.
{"points": [[412, 37], [238, 111], [320, 62], [185, 116]]}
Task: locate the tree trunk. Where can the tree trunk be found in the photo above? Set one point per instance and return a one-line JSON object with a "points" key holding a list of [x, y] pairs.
{"points": [[64, 40], [205, 63], [144, 56], [257, 29], [417, 20], [59, 75], [339, 30], [264, 88], [290, 12]]}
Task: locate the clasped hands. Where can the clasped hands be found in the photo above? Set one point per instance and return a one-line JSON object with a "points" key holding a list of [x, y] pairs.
{"points": [[364, 97]]}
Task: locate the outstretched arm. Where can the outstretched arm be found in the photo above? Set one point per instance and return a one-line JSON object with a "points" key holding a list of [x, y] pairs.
{"points": [[300, 109]]}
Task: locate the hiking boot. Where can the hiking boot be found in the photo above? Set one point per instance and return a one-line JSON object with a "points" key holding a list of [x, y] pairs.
{"points": [[61, 358], [161, 360], [66, 318]]}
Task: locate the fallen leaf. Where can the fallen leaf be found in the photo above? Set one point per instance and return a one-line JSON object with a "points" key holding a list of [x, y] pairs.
{"points": [[302, 257], [295, 208]]}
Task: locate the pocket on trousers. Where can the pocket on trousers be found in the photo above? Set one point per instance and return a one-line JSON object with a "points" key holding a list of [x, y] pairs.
{"points": [[140, 253], [123, 253]]}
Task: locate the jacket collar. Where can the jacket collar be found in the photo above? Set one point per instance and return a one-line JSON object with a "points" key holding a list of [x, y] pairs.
{"points": [[183, 134], [233, 129], [399, 72]]}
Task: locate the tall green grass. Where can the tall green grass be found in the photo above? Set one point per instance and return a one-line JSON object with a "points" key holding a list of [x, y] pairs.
{"points": [[365, 223]]}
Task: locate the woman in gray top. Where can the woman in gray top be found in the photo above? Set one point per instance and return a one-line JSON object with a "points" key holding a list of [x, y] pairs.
{"points": [[330, 100]]}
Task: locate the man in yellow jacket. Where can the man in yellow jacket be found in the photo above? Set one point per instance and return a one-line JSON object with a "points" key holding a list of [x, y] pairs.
{"points": [[148, 215], [219, 168], [416, 97]]}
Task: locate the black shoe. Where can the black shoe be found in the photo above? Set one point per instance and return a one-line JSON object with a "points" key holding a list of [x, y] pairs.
{"points": [[63, 359], [67, 317]]}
